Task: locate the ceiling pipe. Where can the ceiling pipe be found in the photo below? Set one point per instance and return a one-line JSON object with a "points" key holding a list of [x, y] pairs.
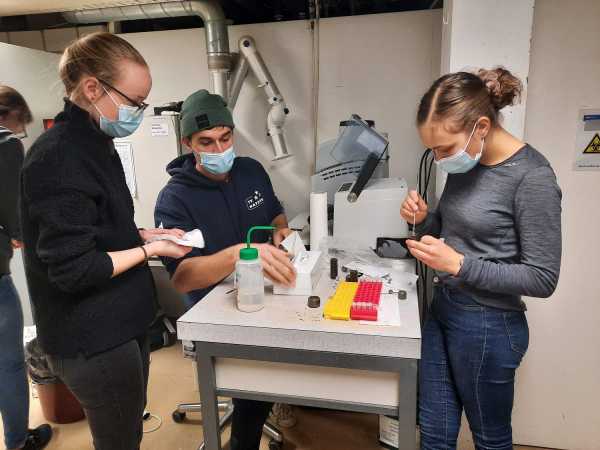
{"points": [[211, 13]]}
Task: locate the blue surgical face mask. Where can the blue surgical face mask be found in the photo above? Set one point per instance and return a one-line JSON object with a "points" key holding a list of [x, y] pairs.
{"points": [[129, 119], [461, 162], [217, 163]]}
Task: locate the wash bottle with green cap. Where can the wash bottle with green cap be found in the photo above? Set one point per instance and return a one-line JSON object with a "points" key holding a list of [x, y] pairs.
{"points": [[249, 277]]}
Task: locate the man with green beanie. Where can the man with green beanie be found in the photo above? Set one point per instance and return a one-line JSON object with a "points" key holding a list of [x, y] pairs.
{"points": [[222, 195]]}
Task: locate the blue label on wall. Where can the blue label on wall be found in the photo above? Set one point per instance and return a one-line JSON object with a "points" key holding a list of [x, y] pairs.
{"points": [[591, 117]]}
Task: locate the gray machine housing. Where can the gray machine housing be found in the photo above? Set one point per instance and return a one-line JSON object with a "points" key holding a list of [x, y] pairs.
{"points": [[376, 212]]}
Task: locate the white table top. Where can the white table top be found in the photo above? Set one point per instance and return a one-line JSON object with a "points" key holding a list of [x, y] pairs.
{"points": [[281, 325]]}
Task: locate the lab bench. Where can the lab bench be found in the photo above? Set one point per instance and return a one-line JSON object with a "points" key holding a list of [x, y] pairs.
{"points": [[276, 355]]}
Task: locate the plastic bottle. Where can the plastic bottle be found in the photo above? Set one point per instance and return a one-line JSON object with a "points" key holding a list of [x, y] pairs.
{"points": [[249, 277], [313, 312]]}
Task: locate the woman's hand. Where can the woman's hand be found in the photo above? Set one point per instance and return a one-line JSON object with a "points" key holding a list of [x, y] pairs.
{"points": [[413, 209], [279, 235], [148, 233], [167, 248], [276, 265], [436, 254]]}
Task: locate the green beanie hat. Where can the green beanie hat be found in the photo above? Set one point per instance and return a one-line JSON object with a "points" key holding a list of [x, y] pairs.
{"points": [[203, 111]]}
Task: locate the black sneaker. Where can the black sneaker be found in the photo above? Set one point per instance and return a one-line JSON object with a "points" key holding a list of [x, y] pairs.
{"points": [[38, 438]]}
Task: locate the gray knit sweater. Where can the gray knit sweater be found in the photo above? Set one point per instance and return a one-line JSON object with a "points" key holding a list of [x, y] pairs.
{"points": [[506, 220]]}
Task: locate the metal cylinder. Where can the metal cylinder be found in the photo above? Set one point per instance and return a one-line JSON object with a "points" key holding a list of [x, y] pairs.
{"points": [[218, 83], [279, 147], [237, 80]]}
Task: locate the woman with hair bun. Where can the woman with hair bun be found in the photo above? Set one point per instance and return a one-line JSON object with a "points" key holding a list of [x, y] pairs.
{"points": [[494, 236]]}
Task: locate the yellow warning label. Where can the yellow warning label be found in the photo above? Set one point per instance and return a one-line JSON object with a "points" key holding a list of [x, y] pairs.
{"points": [[594, 145]]}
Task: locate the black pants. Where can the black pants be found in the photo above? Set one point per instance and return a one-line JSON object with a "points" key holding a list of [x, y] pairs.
{"points": [[247, 422], [111, 387]]}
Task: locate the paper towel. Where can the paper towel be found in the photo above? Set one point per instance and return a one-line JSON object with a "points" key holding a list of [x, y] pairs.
{"points": [[318, 219]]}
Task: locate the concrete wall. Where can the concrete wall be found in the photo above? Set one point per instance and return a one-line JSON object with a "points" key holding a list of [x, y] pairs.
{"points": [[558, 389]]}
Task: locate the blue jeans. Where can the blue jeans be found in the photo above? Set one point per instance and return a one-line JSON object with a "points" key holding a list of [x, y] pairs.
{"points": [[14, 390], [469, 356]]}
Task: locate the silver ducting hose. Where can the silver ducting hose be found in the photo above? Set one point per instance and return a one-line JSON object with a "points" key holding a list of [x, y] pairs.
{"points": [[211, 13]]}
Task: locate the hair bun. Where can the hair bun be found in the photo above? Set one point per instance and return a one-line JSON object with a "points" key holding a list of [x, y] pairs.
{"points": [[505, 89]]}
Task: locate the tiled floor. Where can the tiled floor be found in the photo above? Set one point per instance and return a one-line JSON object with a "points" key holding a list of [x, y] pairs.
{"points": [[172, 382]]}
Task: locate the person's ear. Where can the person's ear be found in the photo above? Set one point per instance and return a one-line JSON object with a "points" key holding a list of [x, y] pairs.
{"points": [[484, 125], [186, 142], [91, 89]]}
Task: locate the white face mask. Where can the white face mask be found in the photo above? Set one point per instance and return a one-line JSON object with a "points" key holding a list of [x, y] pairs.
{"points": [[461, 162]]}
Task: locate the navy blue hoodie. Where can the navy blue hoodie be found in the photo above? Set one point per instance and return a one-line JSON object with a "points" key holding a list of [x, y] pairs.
{"points": [[223, 211]]}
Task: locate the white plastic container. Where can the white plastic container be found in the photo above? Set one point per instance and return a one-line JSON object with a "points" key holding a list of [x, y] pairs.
{"points": [[249, 277], [250, 284]]}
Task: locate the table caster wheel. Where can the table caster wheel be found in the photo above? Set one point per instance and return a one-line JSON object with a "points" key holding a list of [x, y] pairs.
{"points": [[178, 417]]}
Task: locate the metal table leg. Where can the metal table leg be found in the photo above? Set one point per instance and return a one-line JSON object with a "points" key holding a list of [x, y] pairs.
{"points": [[407, 409], [208, 395]]}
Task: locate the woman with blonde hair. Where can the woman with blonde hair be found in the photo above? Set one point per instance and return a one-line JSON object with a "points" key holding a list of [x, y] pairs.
{"points": [[86, 261]]}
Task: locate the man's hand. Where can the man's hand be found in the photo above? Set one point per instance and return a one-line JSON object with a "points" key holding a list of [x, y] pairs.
{"points": [[276, 265], [147, 234], [279, 235], [436, 254], [16, 244]]}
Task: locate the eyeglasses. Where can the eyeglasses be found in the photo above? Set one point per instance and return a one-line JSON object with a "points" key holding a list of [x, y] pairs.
{"points": [[141, 106]]}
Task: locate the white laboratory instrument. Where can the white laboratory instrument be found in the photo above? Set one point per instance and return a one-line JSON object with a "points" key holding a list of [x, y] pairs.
{"points": [[376, 212], [337, 166]]}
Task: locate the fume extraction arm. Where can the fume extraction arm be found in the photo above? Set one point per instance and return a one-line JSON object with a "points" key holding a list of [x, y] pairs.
{"points": [[227, 72]]}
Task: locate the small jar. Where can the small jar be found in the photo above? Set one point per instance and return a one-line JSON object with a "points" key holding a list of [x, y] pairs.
{"points": [[313, 311]]}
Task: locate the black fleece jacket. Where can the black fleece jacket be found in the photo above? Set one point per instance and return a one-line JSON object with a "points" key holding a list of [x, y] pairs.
{"points": [[75, 207], [11, 159]]}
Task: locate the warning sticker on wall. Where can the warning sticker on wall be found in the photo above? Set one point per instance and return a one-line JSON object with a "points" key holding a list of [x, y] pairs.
{"points": [[594, 145], [587, 141]]}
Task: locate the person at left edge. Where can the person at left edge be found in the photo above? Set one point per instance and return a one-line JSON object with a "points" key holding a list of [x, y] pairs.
{"points": [[14, 388]]}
